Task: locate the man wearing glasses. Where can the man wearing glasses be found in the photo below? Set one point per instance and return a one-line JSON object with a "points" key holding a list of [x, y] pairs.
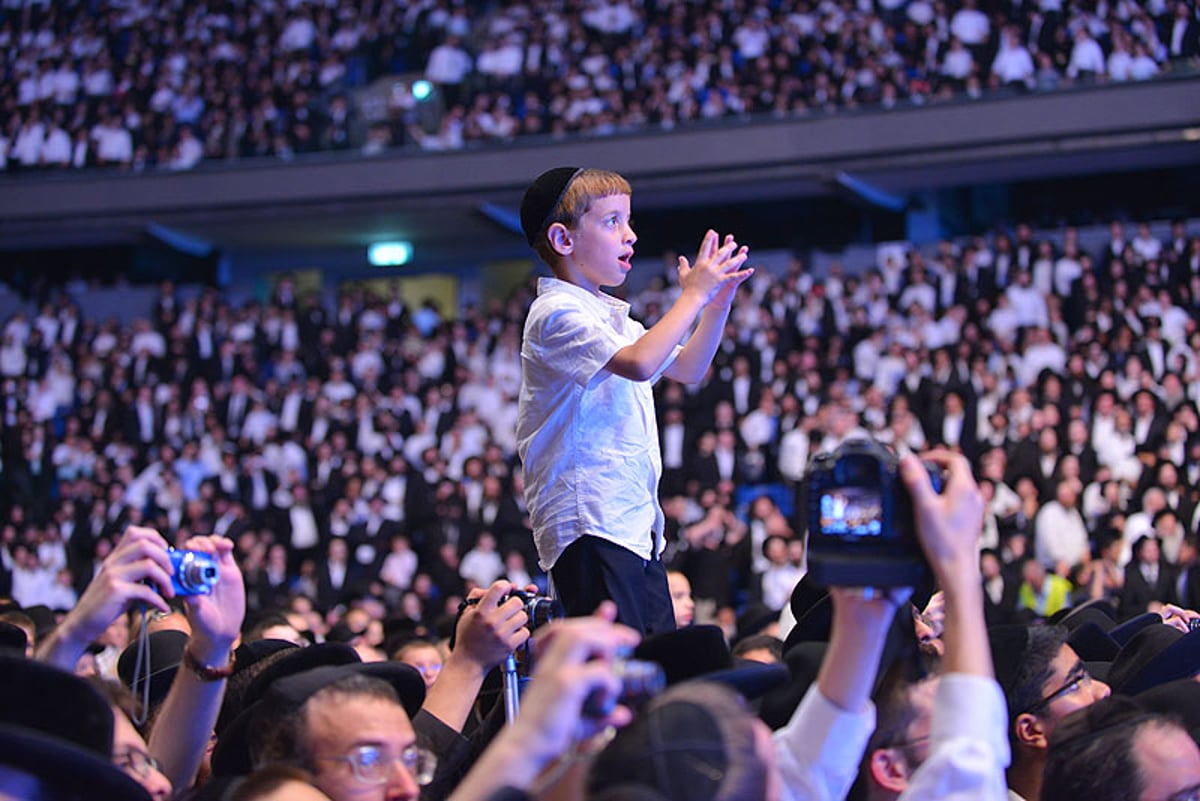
{"points": [[1044, 680], [352, 731]]}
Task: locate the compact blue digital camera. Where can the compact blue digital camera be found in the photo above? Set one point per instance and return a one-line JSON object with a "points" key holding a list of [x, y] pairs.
{"points": [[193, 572]]}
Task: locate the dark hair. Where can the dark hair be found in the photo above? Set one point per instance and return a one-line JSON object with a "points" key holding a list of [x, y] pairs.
{"points": [[268, 780], [119, 697], [895, 713], [1035, 670], [279, 733], [756, 641], [266, 620], [1092, 751], [719, 762]]}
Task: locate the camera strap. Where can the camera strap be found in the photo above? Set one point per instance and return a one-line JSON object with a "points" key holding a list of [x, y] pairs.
{"points": [[142, 667]]}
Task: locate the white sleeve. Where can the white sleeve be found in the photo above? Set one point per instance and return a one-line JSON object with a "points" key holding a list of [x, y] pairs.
{"points": [[818, 751], [969, 749]]}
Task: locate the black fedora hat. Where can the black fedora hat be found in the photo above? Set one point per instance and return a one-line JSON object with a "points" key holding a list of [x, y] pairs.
{"points": [[166, 653], [1155, 655], [56, 733], [700, 652], [43, 766]]}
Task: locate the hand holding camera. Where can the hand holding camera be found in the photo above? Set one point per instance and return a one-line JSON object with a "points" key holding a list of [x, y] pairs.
{"points": [[139, 570], [861, 526], [576, 682], [208, 577], [575, 658], [498, 621]]}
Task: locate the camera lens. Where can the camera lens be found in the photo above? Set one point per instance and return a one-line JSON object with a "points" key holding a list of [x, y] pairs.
{"points": [[543, 610]]}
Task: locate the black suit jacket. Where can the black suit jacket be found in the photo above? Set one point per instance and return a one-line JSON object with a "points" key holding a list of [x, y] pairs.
{"points": [[998, 614], [329, 596], [1137, 593]]}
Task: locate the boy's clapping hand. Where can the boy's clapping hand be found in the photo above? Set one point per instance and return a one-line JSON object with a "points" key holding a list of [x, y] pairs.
{"points": [[717, 272]]}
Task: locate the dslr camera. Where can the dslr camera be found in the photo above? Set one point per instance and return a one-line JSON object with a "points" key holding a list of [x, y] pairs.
{"points": [[540, 609], [193, 572], [861, 531]]}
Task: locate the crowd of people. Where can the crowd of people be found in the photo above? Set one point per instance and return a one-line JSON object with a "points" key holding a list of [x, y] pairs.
{"points": [[351, 470], [167, 85], [370, 449], [351, 473]]}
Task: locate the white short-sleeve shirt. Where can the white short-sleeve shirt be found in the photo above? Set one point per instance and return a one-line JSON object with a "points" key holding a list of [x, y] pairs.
{"points": [[587, 438]]}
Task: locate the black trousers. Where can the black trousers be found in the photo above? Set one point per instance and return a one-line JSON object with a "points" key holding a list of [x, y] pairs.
{"points": [[592, 570]]}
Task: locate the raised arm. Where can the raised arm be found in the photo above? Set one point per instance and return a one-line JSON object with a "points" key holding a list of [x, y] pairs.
{"points": [[969, 748], [575, 658], [486, 633], [137, 571], [715, 274], [184, 724]]}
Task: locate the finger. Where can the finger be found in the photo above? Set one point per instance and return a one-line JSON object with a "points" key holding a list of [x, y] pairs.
{"points": [[146, 570], [725, 252], [143, 533], [518, 637], [740, 277], [916, 478], [683, 265], [224, 548], [202, 544], [579, 639], [135, 591], [607, 610], [142, 548], [708, 245], [491, 598]]}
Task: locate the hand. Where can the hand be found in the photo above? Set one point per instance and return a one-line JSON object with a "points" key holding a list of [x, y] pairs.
{"points": [[868, 605], [1178, 617], [575, 658], [488, 631], [217, 618], [138, 570], [716, 274], [948, 524], [934, 613]]}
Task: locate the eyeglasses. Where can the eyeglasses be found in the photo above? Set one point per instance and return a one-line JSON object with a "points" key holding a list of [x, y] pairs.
{"points": [[1078, 680], [1190, 794], [924, 738], [137, 763], [371, 764]]}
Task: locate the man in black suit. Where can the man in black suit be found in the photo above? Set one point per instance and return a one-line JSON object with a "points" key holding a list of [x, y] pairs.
{"points": [[954, 425], [1182, 36], [1149, 423], [338, 576], [369, 540], [1080, 446], [999, 590], [1148, 578]]}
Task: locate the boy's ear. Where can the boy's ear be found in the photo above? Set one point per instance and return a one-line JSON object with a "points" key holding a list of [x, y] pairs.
{"points": [[560, 239], [889, 769], [1030, 731]]}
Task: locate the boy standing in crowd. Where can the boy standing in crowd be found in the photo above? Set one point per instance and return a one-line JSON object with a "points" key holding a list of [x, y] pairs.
{"points": [[586, 429]]}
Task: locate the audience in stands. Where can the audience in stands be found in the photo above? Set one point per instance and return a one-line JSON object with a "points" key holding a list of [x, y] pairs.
{"points": [[349, 467], [141, 85]]}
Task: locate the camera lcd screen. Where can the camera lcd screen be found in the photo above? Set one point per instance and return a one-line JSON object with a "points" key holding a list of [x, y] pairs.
{"points": [[852, 512]]}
